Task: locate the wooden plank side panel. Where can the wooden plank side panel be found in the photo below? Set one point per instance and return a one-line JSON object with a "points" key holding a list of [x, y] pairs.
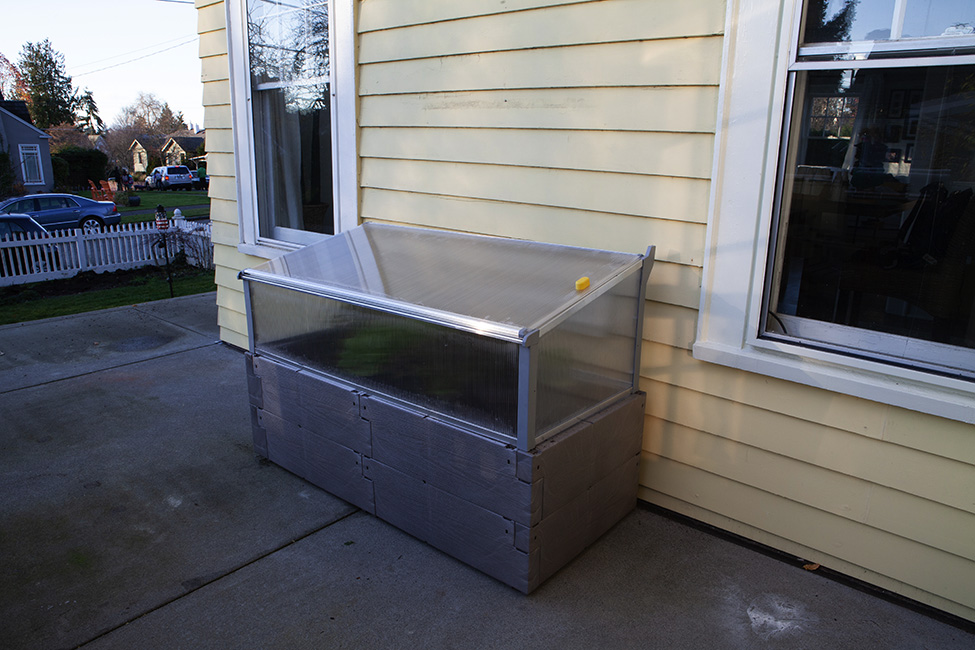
{"points": [[680, 199], [678, 368], [384, 14], [677, 242], [931, 477], [602, 22], [216, 92], [670, 325], [674, 284], [220, 141], [661, 154], [901, 559], [930, 523], [211, 17], [677, 62], [213, 43], [681, 109]]}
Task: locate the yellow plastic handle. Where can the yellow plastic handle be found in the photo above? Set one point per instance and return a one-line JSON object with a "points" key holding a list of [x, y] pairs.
{"points": [[582, 283]]}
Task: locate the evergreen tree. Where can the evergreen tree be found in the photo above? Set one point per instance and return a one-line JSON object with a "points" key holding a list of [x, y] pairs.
{"points": [[50, 95], [86, 114], [169, 123]]}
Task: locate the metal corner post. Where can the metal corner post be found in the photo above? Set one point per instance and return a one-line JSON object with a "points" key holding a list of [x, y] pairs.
{"points": [[641, 307], [527, 391], [249, 315]]}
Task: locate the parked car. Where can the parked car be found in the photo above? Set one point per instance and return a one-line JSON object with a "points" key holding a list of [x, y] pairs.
{"points": [[13, 261], [169, 177], [64, 211], [200, 182]]}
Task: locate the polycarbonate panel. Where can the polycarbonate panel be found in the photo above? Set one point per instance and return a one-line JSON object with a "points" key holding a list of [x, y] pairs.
{"points": [[506, 281], [589, 357], [458, 374]]}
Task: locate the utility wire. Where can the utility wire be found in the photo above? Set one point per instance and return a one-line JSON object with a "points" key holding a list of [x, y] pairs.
{"points": [[139, 58], [121, 54]]}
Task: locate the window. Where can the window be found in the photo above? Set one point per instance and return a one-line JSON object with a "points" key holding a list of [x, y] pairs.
{"points": [[294, 95], [847, 260], [30, 164], [21, 206]]}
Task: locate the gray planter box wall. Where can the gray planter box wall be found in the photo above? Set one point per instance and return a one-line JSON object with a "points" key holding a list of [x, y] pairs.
{"points": [[466, 389]]}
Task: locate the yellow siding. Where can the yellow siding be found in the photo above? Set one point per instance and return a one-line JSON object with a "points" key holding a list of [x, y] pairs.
{"points": [[673, 154], [683, 109], [607, 22], [218, 120], [591, 123], [677, 62], [383, 14]]}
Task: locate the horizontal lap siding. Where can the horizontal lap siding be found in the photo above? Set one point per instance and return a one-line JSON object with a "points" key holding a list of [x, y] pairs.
{"points": [[218, 121], [591, 123]]}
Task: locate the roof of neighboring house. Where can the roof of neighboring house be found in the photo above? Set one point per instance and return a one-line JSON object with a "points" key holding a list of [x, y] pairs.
{"points": [[18, 108], [149, 142], [28, 124], [188, 143]]}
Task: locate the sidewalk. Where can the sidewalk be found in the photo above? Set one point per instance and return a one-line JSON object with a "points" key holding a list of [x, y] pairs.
{"points": [[134, 514]]}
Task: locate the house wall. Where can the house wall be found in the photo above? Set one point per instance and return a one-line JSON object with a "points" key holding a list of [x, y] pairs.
{"points": [[17, 132], [592, 124], [218, 122]]}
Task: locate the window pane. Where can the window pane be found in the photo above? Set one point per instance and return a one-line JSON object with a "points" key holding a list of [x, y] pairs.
{"points": [[289, 63], [939, 18], [293, 151], [287, 40], [830, 21], [877, 225], [30, 160]]}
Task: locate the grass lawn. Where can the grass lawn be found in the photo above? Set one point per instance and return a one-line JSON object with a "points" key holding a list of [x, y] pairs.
{"points": [[91, 291], [145, 211], [169, 200]]}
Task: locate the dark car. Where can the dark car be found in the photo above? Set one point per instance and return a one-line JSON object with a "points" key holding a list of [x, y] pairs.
{"points": [[169, 177], [64, 211], [16, 261]]}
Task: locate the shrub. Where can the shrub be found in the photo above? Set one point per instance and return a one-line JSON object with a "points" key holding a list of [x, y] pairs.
{"points": [[83, 165], [61, 171]]}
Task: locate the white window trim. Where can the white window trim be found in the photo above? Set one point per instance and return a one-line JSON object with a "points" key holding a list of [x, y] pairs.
{"points": [[751, 107], [341, 26], [36, 151]]}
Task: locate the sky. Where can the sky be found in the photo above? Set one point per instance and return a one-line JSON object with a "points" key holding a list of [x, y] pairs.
{"points": [[116, 48]]}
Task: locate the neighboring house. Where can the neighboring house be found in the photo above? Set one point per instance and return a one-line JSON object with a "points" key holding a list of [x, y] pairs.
{"points": [[179, 149], [29, 148], [807, 388], [142, 148]]}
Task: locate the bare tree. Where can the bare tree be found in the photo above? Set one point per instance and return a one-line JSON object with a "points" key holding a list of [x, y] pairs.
{"points": [[12, 85]]}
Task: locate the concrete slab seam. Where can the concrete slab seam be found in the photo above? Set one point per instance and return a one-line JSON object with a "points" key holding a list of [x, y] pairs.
{"points": [[206, 583]]}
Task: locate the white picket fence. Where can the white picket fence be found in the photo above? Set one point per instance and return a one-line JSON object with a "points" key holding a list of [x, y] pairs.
{"points": [[37, 257]]}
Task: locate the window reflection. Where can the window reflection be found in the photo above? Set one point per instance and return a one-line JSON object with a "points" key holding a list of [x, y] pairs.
{"points": [[878, 221], [289, 62], [831, 21]]}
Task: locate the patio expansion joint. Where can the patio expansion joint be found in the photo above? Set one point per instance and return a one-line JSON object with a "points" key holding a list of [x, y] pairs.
{"points": [[113, 367], [215, 578]]}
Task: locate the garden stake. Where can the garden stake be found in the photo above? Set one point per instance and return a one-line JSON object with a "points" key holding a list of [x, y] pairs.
{"points": [[162, 224]]}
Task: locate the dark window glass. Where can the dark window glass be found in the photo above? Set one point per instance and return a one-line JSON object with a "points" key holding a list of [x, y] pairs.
{"points": [[877, 223]]}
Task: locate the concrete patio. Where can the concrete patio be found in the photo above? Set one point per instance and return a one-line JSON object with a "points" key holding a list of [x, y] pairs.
{"points": [[134, 514]]}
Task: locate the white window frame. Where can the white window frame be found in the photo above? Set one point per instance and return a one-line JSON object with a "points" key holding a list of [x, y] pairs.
{"points": [[26, 151], [341, 33], [759, 39]]}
